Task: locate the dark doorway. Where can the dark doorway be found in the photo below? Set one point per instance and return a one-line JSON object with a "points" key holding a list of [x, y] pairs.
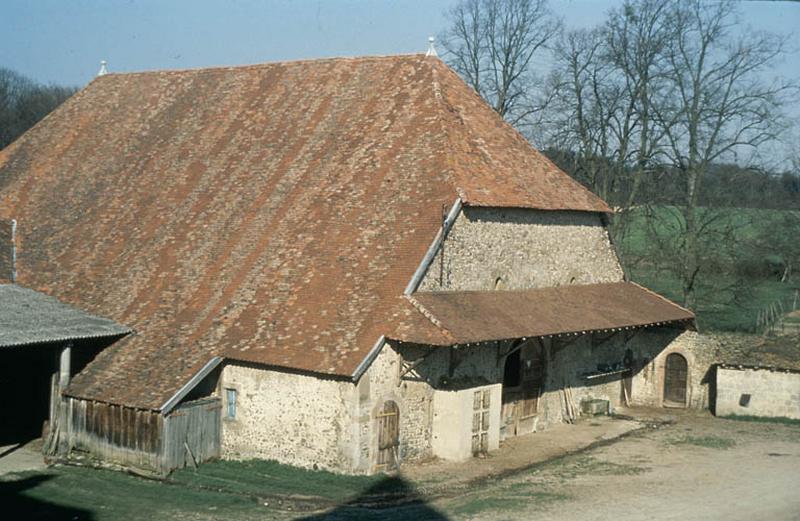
{"points": [[26, 378], [675, 379], [523, 378], [26, 374], [388, 420]]}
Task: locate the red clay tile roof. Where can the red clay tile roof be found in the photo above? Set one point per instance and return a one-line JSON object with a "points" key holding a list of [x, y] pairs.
{"points": [[271, 213], [478, 316]]}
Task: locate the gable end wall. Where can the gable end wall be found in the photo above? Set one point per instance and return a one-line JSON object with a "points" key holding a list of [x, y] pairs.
{"points": [[515, 248]]}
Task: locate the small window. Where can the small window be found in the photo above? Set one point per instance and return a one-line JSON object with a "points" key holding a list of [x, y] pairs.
{"points": [[230, 397]]}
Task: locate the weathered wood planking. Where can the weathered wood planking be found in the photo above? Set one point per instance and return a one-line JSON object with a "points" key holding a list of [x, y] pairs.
{"points": [[144, 438]]}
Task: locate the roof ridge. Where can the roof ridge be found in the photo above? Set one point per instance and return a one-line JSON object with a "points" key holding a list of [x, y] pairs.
{"points": [[427, 314], [445, 108], [260, 65]]}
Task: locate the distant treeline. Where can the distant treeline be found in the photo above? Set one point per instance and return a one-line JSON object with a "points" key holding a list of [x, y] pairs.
{"points": [[726, 185], [23, 102]]}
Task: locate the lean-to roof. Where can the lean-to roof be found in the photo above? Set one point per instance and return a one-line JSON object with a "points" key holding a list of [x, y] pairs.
{"points": [[28, 317], [463, 317]]}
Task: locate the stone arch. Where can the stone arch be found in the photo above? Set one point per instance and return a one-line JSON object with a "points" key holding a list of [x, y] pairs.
{"points": [[675, 388]]}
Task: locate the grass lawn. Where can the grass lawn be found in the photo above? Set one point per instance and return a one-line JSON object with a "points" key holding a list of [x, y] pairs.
{"points": [[715, 308], [240, 490]]}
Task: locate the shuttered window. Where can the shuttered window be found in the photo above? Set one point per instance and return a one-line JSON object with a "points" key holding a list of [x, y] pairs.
{"points": [[230, 400]]}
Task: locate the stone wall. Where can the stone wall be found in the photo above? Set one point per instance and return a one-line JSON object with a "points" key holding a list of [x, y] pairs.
{"points": [[414, 393], [494, 248], [758, 392], [570, 359], [302, 420]]}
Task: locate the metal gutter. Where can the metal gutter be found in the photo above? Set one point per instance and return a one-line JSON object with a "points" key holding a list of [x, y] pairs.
{"points": [[433, 249], [414, 283], [191, 384], [13, 251], [367, 361]]}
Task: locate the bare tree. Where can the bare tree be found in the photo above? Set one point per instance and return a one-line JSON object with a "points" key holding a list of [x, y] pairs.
{"points": [[585, 101], [717, 106], [492, 45]]}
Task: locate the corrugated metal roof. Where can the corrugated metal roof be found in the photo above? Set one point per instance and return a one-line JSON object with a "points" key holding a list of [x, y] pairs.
{"points": [[271, 213], [479, 316], [29, 317]]}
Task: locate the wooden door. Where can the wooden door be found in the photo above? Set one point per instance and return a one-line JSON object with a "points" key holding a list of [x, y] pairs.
{"points": [[523, 379], [675, 376], [388, 420]]}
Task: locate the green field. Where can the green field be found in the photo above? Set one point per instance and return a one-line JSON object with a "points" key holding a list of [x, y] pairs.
{"points": [[743, 259]]}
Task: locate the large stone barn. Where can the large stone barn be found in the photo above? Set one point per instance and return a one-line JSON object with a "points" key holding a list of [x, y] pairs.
{"points": [[343, 264]]}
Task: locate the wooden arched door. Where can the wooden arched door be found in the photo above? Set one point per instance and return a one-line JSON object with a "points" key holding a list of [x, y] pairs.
{"points": [[388, 423], [676, 372]]}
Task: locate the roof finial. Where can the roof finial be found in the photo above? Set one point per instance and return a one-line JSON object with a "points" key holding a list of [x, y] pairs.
{"points": [[103, 71], [431, 48]]}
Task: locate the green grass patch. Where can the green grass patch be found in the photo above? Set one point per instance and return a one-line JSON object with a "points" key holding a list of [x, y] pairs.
{"points": [[710, 442], [500, 502], [100, 495], [745, 267], [216, 490], [261, 478], [572, 467], [763, 419]]}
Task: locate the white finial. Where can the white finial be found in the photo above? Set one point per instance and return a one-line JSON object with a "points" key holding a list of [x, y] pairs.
{"points": [[103, 71], [431, 48]]}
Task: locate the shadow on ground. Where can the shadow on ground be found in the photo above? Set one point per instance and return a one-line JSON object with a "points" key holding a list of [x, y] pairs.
{"points": [[390, 498], [15, 504]]}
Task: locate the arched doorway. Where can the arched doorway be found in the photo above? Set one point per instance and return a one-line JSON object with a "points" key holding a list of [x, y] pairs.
{"points": [[675, 380], [388, 423]]}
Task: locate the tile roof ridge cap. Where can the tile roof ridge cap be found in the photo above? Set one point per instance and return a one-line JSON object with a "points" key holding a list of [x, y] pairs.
{"points": [[444, 109], [259, 65], [427, 314], [662, 297]]}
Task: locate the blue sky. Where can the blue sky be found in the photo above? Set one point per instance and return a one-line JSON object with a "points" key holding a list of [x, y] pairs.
{"points": [[63, 41]]}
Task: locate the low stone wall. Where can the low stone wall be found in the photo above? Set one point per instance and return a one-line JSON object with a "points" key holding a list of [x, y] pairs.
{"points": [[758, 391]]}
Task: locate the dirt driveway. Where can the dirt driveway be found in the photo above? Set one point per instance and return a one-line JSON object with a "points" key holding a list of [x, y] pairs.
{"points": [[699, 468], [695, 468]]}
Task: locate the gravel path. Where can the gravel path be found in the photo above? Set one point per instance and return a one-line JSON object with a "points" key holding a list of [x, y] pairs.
{"points": [[700, 468]]}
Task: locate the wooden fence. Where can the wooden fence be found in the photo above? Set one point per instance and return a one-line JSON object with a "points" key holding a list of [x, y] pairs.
{"points": [[145, 439]]}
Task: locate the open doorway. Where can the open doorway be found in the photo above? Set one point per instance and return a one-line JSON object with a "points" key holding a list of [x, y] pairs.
{"points": [[523, 378], [676, 372]]}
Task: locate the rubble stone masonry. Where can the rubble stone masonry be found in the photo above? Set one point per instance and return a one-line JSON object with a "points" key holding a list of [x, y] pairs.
{"points": [[507, 248], [758, 392]]}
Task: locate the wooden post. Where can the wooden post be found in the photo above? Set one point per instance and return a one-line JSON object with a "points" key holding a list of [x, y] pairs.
{"points": [[64, 366]]}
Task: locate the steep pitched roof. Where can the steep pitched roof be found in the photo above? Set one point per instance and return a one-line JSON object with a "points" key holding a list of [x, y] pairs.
{"points": [[29, 317], [478, 316], [273, 213]]}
